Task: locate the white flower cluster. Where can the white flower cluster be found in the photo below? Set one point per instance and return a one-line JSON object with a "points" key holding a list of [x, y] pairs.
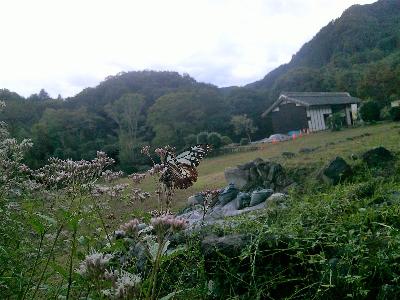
{"points": [[66, 173], [110, 176], [125, 285], [112, 191], [139, 195], [94, 265], [12, 171]]}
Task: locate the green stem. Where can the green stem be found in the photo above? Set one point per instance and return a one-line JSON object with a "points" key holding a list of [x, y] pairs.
{"points": [[155, 269], [101, 219], [34, 265], [47, 262], [71, 258]]}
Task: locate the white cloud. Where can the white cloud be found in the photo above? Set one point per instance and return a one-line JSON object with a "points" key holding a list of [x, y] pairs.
{"points": [[67, 45]]}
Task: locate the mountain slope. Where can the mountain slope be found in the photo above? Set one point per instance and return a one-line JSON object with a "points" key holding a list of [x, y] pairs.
{"points": [[363, 43]]}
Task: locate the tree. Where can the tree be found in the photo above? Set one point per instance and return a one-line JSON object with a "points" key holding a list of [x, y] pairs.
{"points": [[126, 112], [243, 125], [176, 115], [202, 138], [215, 139], [370, 111], [190, 140]]}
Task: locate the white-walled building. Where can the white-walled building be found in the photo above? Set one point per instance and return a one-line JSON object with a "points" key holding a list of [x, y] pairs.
{"points": [[296, 111]]}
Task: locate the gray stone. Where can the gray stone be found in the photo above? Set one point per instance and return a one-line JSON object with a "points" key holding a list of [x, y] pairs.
{"points": [[335, 171], [395, 196], [138, 251], [260, 196], [195, 199], [288, 154], [239, 177], [228, 194], [377, 157], [306, 150], [259, 173], [277, 199], [228, 245], [242, 200]]}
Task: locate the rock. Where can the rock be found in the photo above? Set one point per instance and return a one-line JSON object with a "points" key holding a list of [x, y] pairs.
{"points": [[228, 194], [354, 156], [260, 196], [238, 176], [256, 174], [230, 245], [337, 169], [394, 197], [193, 216], [242, 200], [288, 154], [276, 199], [138, 251], [195, 199], [306, 150], [377, 157]]}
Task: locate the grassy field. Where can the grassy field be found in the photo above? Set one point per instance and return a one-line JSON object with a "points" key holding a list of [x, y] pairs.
{"points": [[327, 145]]}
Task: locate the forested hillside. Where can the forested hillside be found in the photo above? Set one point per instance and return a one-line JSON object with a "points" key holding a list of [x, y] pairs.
{"points": [[358, 53]]}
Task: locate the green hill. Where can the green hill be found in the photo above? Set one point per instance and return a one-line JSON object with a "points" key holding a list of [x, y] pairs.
{"points": [[358, 52]]}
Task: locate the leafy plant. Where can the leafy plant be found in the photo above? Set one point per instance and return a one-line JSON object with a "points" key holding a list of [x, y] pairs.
{"points": [[370, 111], [335, 121]]}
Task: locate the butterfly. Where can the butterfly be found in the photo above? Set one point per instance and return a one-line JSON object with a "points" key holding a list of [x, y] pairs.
{"points": [[181, 170]]}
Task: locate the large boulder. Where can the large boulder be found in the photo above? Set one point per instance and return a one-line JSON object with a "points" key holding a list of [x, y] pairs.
{"points": [[377, 157], [335, 171], [239, 177], [230, 245], [260, 196], [277, 200], [258, 174], [242, 200], [228, 194], [195, 199]]}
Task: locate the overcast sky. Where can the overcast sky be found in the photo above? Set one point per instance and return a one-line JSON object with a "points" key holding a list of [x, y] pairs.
{"points": [[64, 46]]}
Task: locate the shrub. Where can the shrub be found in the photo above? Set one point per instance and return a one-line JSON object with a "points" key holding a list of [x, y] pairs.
{"points": [[215, 139], [244, 141], [395, 113], [226, 140], [385, 113], [335, 122], [190, 140], [202, 138], [370, 111]]}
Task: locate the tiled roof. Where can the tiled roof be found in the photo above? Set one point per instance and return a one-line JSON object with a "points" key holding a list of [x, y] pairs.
{"points": [[313, 99]]}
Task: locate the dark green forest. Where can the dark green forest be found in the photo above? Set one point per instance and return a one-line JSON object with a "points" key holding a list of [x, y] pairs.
{"points": [[358, 53]]}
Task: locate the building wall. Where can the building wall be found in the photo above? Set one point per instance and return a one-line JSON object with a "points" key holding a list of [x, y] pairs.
{"points": [[316, 116], [395, 103], [288, 117]]}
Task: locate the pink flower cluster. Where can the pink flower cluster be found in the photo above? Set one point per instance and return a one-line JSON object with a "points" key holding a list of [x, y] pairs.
{"points": [[166, 223], [112, 191], [139, 195], [157, 169], [137, 178], [110, 176], [131, 227]]}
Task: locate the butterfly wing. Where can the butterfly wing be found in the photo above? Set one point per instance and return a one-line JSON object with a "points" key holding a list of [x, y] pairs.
{"points": [[181, 170], [193, 155]]}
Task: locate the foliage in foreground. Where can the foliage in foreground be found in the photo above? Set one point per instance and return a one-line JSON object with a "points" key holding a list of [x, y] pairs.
{"points": [[56, 241]]}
